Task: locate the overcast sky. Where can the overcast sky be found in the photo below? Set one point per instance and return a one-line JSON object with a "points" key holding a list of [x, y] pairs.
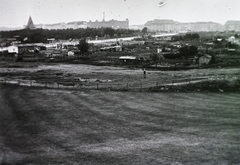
{"points": [[16, 12]]}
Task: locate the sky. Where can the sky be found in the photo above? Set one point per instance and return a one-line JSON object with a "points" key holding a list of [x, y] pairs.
{"points": [[15, 13]]}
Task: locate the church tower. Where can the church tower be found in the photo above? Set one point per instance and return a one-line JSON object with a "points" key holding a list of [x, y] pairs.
{"points": [[30, 24]]}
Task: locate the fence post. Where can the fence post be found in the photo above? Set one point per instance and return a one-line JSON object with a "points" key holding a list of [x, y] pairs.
{"points": [[30, 83], [172, 82], [97, 86], [45, 84], [127, 85], [19, 82], [156, 84], [189, 80]]}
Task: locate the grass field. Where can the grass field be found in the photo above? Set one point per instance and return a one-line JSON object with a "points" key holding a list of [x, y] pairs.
{"points": [[115, 78], [54, 126]]}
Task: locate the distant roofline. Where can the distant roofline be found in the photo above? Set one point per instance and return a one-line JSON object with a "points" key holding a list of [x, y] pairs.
{"points": [[170, 21], [232, 22], [108, 21]]}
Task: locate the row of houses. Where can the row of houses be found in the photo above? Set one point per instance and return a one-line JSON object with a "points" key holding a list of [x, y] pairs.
{"points": [[200, 59], [30, 49], [18, 49]]}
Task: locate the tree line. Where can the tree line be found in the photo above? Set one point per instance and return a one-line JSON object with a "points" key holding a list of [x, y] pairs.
{"points": [[186, 37], [41, 35]]}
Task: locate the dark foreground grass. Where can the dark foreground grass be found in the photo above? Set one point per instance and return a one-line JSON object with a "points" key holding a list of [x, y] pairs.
{"points": [[48, 126]]}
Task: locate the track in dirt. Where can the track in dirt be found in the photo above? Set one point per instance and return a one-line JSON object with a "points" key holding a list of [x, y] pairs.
{"points": [[47, 126]]}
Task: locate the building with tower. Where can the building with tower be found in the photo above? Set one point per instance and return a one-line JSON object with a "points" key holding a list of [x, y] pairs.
{"points": [[115, 24], [30, 24], [111, 24]]}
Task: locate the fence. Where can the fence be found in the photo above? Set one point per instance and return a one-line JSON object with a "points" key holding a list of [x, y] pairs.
{"points": [[115, 85]]}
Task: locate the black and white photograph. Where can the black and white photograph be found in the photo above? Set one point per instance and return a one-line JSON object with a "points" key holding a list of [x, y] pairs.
{"points": [[120, 82]]}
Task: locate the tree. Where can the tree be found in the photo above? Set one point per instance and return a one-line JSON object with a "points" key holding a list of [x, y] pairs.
{"points": [[213, 59], [188, 51], [155, 58], [193, 50], [187, 36], [144, 30], [237, 35], [177, 38], [83, 46], [195, 36], [109, 31], [191, 36]]}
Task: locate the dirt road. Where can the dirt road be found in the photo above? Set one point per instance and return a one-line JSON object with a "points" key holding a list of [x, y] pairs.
{"points": [[53, 126]]}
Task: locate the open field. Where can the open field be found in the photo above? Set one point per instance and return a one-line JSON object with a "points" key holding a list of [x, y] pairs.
{"points": [[116, 78], [55, 126]]}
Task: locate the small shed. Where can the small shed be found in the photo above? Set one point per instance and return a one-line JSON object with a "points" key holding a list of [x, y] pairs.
{"points": [[204, 59], [25, 48], [3, 49], [116, 48], [12, 49], [128, 59]]}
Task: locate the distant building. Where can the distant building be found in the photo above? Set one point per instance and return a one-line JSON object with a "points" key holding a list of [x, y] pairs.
{"points": [[112, 48], [55, 26], [171, 25], [12, 49], [82, 24], [18, 48], [22, 48], [232, 26], [161, 25], [128, 59], [136, 27], [204, 59], [206, 26], [234, 40], [3, 49], [30, 24], [183, 27], [112, 24]]}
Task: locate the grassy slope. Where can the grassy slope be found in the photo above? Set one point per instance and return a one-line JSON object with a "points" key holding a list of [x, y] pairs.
{"points": [[41, 126]]}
